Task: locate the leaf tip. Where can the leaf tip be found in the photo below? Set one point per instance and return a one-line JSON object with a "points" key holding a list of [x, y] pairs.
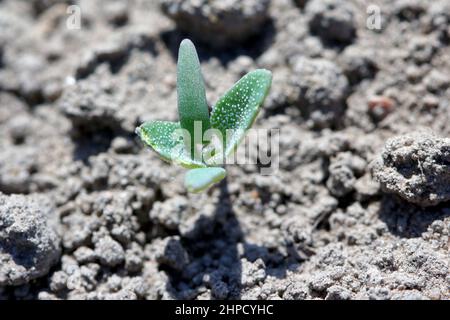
{"points": [[265, 73], [198, 180], [138, 131], [186, 42], [187, 47]]}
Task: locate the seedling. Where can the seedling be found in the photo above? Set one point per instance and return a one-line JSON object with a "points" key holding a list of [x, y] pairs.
{"points": [[201, 141]]}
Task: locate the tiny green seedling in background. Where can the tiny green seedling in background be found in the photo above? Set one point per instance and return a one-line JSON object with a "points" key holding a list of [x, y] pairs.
{"points": [[232, 115]]}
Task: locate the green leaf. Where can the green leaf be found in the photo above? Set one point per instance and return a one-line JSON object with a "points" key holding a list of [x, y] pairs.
{"points": [[166, 138], [192, 105], [197, 180], [237, 109]]}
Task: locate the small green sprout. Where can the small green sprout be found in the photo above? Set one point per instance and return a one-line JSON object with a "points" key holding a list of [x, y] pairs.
{"points": [[201, 141]]}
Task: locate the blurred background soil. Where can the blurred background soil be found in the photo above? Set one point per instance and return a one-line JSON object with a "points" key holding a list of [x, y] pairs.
{"points": [[359, 208]]}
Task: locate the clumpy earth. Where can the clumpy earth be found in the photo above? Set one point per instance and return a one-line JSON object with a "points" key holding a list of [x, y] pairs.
{"points": [[29, 242], [360, 205], [416, 167]]}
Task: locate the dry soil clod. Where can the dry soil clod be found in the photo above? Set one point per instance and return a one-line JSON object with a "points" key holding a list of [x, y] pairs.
{"points": [[416, 167]]}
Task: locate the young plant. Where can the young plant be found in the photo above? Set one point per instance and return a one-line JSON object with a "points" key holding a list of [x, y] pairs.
{"points": [[201, 141]]}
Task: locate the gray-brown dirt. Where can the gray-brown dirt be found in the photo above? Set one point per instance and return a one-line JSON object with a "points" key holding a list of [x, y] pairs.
{"points": [[359, 208]]}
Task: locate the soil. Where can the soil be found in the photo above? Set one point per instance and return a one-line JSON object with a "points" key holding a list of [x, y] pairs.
{"points": [[359, 208]]}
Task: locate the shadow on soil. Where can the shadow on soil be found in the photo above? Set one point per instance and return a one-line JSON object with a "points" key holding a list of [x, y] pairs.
{"points": [[213, 246], [407, 220], [253, 47]]}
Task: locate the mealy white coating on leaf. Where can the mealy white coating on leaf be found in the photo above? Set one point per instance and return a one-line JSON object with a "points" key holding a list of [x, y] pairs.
{"points": [[162, 137], [238, 108]]}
